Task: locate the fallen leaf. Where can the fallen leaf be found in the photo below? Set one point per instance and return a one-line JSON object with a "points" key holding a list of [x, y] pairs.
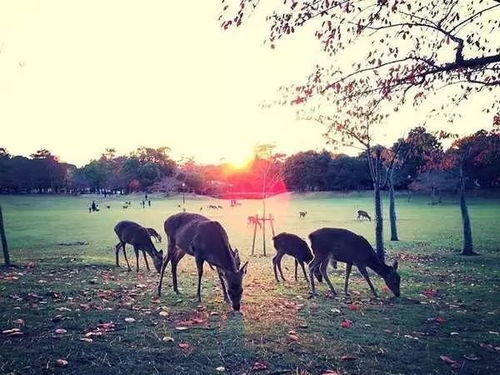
{"points": [[259, 366], [347, 358], [61, 363], [181, 328], [129, 320], [440, 320], [86, 339], [183, 345], [168, 339], [60, 331], [220, 369], [294, 337], [163, 313], [353, 306], [19, 321], [451, 362], [330, 372], [345, 323], [471, 357]]}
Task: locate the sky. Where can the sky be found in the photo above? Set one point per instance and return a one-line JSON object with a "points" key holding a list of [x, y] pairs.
{"points": [[77, 77]]}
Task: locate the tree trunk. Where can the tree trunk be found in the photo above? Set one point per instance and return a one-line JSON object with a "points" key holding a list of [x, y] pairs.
{"points": [[392, 210], [5, 246], [468, 246], [379, 220]]}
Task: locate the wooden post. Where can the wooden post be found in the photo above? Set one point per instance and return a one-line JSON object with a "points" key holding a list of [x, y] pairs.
{"points": [[271, 220], [5, 246], [264, 235], [254, 233]]}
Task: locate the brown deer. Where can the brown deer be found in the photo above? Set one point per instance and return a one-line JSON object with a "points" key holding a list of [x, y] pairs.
{"points": [[136, 235], [153, 233], [206, 241], [342, 245], [290, 244], [363, 214]]}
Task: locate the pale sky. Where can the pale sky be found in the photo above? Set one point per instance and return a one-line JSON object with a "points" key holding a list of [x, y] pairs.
{"points": [[79, 76]]}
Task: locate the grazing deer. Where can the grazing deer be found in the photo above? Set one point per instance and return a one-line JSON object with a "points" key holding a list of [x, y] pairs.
{"points": [[363, 214], [290, 244], [136, 235], [333, 244], [206, 241], [302, 214], [153, 233]]}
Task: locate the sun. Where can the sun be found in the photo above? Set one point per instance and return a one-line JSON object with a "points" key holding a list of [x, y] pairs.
{"points": [[240, 162]]}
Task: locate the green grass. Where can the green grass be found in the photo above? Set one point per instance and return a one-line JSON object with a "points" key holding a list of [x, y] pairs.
{"points": [[388, 336]]}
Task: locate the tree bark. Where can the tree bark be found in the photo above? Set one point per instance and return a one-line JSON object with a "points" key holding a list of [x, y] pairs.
{"points": [[5, 246], [468, 248], [392, 209], [379, 220]]}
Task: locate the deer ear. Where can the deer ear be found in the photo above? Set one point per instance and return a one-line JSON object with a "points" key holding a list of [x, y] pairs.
{"points": [[243, 270], [395, 265]]}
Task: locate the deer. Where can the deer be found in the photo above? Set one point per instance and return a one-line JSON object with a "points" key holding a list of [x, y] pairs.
{"points": [[302, 214], [293, 245], [153, 233], [342, 245], [206, 241], [363, 214], [139, 237]]}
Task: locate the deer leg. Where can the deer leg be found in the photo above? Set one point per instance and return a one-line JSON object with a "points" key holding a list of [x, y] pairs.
{"points": [[223, 285], [146, 260], [279, 267], [348, 269], [364, 272], [174, 276], [199, 265], [313, 266], [126, 259], [275, 260], [323, 268], [136, 251], [163, 267], [304, 270], [296, 265], [117, 250]]}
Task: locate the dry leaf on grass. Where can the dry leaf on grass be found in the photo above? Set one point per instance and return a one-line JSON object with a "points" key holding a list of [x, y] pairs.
{"points": [[61, 363], [259, 366]]}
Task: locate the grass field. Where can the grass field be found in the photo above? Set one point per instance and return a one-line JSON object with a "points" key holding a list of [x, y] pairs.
{"points": [[450, 304]]}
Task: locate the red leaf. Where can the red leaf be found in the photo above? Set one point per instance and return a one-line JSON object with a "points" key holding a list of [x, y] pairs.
{"points": [[259, 366], [183, 345], [348, 358], [345, 323]]}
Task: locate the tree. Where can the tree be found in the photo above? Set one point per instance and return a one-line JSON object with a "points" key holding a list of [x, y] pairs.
{"points": [[307, 171], [353, 125], [407, 157], [469, 151], [392, 49]]}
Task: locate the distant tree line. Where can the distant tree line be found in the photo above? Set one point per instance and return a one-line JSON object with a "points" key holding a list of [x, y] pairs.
{"points": [[419, 163]]}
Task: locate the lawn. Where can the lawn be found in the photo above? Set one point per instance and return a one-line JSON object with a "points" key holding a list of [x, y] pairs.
{"points": [[71, 302]]}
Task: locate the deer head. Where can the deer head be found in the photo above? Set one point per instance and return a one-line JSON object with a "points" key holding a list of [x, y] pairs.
{"points": [[392, 279], [157, 259], [234, 281]]}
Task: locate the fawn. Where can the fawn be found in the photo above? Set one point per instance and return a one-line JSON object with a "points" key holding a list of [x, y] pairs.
{"points": [[136, 235]]}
